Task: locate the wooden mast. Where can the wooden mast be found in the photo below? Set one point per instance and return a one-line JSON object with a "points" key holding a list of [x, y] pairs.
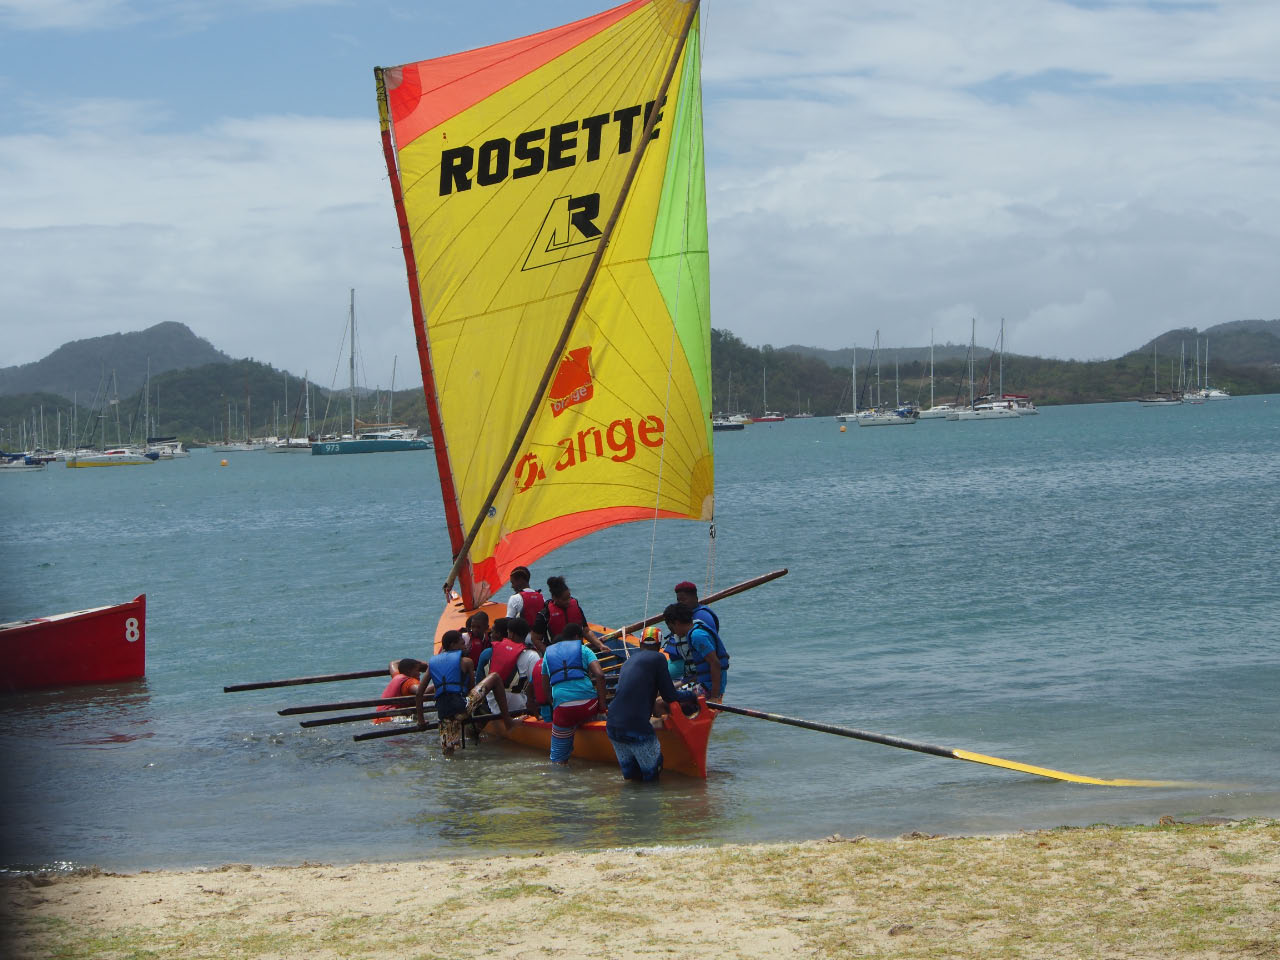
{"points": [[448, 490]]}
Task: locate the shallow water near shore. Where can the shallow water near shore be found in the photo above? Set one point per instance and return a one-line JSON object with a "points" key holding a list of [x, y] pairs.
{"points": [[1094, 589]]}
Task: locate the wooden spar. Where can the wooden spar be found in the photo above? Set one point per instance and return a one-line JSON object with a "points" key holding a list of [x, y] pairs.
{"points": [[948, 752], [399, 730], [356, 717], [297, 681], [727, 592], [351, 705], [557, 352], [448, 490]]}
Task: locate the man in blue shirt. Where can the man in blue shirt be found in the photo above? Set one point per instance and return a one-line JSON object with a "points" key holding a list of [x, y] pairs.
{"points": [[643, 678], [687, 593], [697, 654]]}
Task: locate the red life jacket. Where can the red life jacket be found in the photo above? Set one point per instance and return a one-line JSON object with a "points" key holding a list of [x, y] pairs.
{"points": [[531, 605], [474, 646], [505, 655], [558, 618], [535, 677], [393, 689]]}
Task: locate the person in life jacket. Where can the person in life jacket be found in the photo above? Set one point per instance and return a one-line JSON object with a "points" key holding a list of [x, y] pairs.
{"points": [[687, 593], [405, 674], [697, 654], [541, 699], [574, 683], [524, 602], [450, 674], [475, 639], [509, 663], [558, 614]]}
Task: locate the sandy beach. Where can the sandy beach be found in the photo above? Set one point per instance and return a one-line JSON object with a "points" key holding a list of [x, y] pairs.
{"points": [[1169, 890]]}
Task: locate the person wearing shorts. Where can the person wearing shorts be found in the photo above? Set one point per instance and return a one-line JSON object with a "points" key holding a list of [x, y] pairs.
{"points": [[574, 683], [643, 678], [451, 674]]}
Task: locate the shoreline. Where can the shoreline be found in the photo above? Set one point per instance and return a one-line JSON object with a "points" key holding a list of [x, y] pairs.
{"points": [[1208, 890]]}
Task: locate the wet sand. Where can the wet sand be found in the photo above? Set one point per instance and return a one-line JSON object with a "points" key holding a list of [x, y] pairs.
{"points": [[1207, 890]]}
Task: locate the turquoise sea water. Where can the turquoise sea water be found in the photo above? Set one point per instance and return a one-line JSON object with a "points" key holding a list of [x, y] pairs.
{"points": [[1093, 589]]}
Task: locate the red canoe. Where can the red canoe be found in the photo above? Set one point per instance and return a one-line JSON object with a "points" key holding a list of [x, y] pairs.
{"points": [[100, 645]]}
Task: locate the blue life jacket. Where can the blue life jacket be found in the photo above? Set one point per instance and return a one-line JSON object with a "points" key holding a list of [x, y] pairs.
{"points": [[680, 650], [563, 662], [703, 608], [446, 672]]}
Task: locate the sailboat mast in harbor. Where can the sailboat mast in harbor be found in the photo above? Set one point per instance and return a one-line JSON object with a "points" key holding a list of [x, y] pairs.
{"points": [[352, 363]]}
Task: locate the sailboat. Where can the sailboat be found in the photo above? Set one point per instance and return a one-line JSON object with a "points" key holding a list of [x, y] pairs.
{"points": [[1207, 392], [1157, 399], [769, 416], [936, 411], [550, 197], [988, 407], [900, 415], [117, 456], [368, 437], [852, 415], [302, 444]]}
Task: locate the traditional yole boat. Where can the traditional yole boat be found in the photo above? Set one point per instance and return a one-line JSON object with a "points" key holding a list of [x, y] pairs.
{"points": [[552, 209]]}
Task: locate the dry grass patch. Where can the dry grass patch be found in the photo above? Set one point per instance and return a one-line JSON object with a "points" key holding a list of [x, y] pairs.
{"points": [[1209, 892]]}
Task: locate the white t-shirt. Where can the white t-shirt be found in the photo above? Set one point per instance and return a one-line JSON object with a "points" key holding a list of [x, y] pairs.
{"points": [[524, 667], [515, 605]]}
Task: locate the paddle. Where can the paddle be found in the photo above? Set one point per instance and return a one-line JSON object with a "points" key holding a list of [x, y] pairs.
{"points": [[940, 751], [721, 595], [297, 681], [400, 730], [351, 705], [356, 717]]}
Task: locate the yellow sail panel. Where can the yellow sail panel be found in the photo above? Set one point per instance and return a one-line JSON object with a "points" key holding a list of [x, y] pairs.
{"points": [[507, 188]]}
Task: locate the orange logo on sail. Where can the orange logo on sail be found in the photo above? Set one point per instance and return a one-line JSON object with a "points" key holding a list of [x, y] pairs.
{"points": [[572, 384]]}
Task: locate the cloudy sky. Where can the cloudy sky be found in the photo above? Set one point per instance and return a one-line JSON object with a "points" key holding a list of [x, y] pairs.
{"points": [[1093, 172]]}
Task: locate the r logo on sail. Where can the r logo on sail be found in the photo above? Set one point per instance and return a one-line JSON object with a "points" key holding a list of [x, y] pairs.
{"points": [[568, 230]]}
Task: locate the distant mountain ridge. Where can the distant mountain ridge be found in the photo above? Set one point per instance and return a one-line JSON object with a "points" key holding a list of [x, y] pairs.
{"points": [[1236, 343], [75, 368], [201, 393]]}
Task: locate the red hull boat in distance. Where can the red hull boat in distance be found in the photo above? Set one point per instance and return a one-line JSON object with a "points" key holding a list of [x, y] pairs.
{"points": [[99, 645]]}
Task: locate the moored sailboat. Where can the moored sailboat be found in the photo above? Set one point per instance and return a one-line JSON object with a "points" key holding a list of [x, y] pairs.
{"points": [[567, 239]]}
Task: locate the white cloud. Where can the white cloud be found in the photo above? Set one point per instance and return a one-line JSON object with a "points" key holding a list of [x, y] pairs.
{"points": [[249, 231], [64, 14], [1095, 175], [878, 168]]}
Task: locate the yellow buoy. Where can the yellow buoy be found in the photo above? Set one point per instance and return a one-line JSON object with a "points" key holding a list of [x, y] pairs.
{"points": [[843, 428], [222, 463]]}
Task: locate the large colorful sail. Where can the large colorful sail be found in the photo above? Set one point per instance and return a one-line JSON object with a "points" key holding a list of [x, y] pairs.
{"points": [[509, 160]]}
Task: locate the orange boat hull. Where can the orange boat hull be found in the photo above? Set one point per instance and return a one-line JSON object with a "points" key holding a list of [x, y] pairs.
{"points": [[683, 739]]}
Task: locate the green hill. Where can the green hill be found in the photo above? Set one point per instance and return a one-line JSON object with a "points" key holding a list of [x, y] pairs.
{"points": [[209, 400], [77, 369]]}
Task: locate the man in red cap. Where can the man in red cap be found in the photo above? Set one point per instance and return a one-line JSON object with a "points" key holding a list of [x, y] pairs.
{"points": [[687, 593]]}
